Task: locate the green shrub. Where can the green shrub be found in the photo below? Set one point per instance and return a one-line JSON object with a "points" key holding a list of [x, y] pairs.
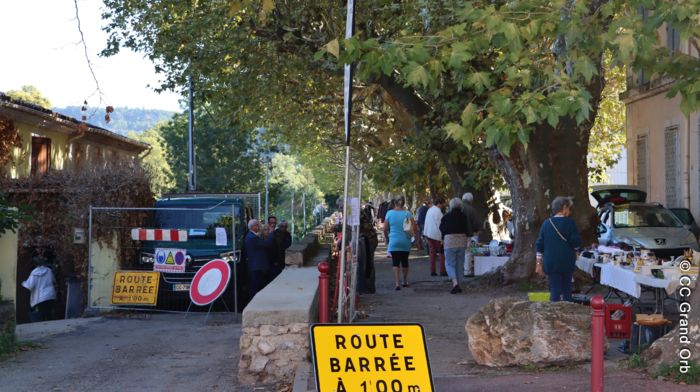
{"points": [[8, 339], [635, 361], [673, 372]]}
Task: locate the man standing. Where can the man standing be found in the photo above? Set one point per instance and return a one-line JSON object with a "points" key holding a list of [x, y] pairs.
{"points": [[281, 240], [434, 236], [421, 213], [474, 219], [258, 258]]}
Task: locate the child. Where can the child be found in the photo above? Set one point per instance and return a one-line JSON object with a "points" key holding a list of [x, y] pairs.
{"points": [[41, 284]]}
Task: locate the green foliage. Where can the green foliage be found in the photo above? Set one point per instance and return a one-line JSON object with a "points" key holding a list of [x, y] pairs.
{"points": [[30, 94], [224, 157], [520, 73], [692, 376], [608, 133], [11, 217], [154, 161], [124, 120], [268, 73], [8, 339], [635, 361]]}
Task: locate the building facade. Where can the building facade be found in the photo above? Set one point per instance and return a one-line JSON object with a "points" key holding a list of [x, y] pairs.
{"points": [[52, 141], [663, 144]]}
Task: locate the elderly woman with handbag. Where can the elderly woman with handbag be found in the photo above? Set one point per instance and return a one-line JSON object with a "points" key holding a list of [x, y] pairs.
{"points": [[556, 249]]}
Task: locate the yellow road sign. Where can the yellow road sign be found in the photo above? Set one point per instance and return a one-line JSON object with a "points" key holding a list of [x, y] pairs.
{"points": [[370, 358], [135, 288]]}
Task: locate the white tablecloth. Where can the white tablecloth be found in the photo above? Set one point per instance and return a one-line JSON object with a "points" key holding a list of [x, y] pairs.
{"points": [[486, 264], [619, 278], [585, 264], [630, 282]]}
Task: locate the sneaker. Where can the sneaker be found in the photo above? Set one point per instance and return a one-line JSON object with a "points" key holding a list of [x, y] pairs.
{"points": [[405, 284], [456, 289], [433, 274], [397, 288], [443, 273]]}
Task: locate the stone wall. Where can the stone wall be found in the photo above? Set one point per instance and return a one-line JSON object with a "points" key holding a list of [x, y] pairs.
{"points": [[276, 325], [271, 353]]}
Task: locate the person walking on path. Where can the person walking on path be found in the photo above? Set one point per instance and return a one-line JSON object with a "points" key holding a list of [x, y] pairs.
{"points": [[434, 236], [470, 212], [455, 228], [556, 249], [421, 213], [42, 287], [399, 239]]}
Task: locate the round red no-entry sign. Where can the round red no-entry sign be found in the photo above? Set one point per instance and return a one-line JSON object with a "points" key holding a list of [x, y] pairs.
{"points": [[210, 282]]}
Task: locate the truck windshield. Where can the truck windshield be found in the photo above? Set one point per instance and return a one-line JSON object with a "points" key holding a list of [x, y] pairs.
{"points": [[198, 223]]}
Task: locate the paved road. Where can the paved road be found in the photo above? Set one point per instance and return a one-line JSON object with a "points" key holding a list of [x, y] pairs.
{"points": [[162, 352]]}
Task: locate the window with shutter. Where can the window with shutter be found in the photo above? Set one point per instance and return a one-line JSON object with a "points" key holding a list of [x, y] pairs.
{"points": [[642, 162], [673, 167], [673, 39], [41, 155]]}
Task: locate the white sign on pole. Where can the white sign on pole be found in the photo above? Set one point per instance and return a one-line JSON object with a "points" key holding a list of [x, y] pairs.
{"points": [[354, 211]]}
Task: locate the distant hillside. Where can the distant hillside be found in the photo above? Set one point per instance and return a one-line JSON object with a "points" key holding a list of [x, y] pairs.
{"points": [[123, 119]]}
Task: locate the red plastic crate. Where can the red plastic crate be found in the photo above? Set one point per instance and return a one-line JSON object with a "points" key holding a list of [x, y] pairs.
{"points": [[618, 329]]}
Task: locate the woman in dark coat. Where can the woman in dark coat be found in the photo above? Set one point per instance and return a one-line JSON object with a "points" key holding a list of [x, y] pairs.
{"points": [[556, 249]]}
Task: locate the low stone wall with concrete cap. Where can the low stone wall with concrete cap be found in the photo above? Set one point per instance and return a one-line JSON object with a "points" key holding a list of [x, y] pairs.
{"points": [[276, 325]]}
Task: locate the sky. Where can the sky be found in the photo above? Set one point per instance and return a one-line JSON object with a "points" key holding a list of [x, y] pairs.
{"points": [[40, 45]]}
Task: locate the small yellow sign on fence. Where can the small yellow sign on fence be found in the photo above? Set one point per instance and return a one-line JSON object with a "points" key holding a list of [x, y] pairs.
{"points": [[371, 358], [135, 288]]}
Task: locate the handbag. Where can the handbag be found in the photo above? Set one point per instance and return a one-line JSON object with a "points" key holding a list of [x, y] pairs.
{"points": [[407, 226]]}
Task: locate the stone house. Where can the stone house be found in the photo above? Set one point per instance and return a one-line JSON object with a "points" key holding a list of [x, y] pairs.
{"points": [[50, 141]]}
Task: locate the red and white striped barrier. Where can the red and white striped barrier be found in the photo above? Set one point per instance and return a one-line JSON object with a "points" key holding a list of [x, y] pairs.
{"points": [[159, 235]]}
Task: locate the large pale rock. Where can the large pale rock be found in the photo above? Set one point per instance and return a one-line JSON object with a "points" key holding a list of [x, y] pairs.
{"points": [[510, 331]]}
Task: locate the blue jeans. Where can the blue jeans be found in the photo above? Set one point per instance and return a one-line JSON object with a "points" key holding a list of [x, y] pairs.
{"points": [[560, 286], [454, 257]]}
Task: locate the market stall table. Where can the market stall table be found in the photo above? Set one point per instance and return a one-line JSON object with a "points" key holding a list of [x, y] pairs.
{"points": [[485, 264]]}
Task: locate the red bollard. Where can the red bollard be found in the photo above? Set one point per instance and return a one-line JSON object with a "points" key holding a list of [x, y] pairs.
{"points": [[597, 333], [323, 315]]}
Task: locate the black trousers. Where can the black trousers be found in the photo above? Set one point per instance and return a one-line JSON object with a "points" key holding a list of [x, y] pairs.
{"points": [[43, 311]]}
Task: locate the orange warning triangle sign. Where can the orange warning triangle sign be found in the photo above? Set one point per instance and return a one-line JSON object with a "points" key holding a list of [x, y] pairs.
{"points": [[170, 259]]}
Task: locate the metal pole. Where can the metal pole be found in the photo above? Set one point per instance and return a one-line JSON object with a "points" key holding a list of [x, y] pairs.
{"points": [[267, 182], [303, 208], [341, 268], [191, 171], [347, 114], [597, 341], [90, 257], [292, 216], [235, 259]]}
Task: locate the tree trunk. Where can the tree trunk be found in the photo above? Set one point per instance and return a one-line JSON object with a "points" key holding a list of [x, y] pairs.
{"points": [[534, 176]]}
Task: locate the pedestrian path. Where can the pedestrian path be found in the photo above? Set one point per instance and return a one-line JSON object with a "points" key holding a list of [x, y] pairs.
{"points": [[427, 300]]}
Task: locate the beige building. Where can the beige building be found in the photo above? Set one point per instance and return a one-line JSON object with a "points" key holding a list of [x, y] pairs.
{"points": [[50, 141], [663, 144]]}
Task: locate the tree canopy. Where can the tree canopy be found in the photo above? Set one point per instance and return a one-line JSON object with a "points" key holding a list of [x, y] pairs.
{"points": [[30, 94]]}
